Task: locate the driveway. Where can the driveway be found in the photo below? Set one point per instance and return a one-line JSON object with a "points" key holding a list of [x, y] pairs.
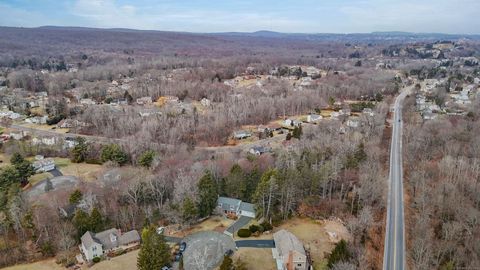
{"points": [[237, 225], [255, 243], [56, 172]]}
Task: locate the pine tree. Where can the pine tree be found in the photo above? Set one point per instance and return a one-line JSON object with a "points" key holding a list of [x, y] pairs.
{"points": [[227, 263], [75, 197], [80, 151], [154, 253], [95, 220], [189, 211], [207, 195], [146, 158]]}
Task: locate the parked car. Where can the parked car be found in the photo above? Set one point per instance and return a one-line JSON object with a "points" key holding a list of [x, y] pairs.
{"points": [[160, 230], [229, 252], [178, 257], [183, 246]]}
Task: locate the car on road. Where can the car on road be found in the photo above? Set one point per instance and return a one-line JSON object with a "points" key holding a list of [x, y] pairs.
{"points": [[160, 230], [183, 246], [167, 267], [229, 253]]}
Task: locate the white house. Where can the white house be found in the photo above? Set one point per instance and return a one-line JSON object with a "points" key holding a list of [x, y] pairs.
{"points": [[44, 165], [45, 141], [259, 150], [313, 118], [206, 102], [87, 101], [241, 134], [289, 252], [353, 123], [144, 100], [99, 244], [291, 123]]}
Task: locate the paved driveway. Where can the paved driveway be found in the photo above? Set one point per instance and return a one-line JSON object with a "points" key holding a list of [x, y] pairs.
{"points": [[172, 239], [56, 172], [237, 225], [255, 243]]}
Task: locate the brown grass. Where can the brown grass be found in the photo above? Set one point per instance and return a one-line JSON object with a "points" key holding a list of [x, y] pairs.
{"points": [[42, 265], [256, 258]]}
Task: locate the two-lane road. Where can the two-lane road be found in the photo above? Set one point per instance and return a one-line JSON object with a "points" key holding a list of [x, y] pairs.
{"points": [[394, 250]]}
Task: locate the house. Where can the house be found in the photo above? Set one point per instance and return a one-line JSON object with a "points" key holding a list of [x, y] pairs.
{"points": [[69, 143], [18, 135], [40, 120], [368, 111], [10, 114], [44, 165], [206, 102], [258, 150], [231, 206], [241, 134], [289, 252], [99, 244], [313, 118], [87, 101], [45, 141], [144, 100], [291, 123], [352, 123]]}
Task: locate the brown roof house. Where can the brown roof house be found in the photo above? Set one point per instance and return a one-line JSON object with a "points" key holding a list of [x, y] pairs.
{"points": [[98, 244], [289, 252]]}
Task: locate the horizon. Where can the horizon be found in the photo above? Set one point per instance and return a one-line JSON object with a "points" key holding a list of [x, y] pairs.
{"points": [[201, 16], [393, 32]]}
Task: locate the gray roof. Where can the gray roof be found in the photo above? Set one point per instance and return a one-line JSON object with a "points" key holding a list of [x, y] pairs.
{"points": [[88, 239], [285, 242], [129, 237], [226, 202], [247, 207], [105, 238]]}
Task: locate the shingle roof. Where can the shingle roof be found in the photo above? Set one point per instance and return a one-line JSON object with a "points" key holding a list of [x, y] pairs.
{"points": [[226, 203], [247, 207], [88, 239], [109, 239], [129, 237], [285, 242]]}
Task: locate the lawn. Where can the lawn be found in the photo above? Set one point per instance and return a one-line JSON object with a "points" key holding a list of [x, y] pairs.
{"points": [[215, 223], [124, 262], [314, 237], [39, 177], [87, 172], [256, 258], [46, 127], [42, 265]]}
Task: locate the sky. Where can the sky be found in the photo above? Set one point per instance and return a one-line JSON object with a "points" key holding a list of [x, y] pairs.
{"points": [[290, 16]]}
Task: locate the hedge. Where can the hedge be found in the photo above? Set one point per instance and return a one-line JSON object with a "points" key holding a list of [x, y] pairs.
{"points": [[244, 233]]}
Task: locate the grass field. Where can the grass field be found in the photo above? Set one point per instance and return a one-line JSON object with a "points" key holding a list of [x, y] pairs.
{"points": [[42, 265], [256, 258], [87, 172], [215, 223], [39, 177], [124, 262]]}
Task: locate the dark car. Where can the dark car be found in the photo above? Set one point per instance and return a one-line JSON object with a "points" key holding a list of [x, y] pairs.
{"points": [[229, 252], [178, 257], [183, 246]]}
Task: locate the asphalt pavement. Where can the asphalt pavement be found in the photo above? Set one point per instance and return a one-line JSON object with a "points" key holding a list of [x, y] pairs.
{"points": [[255, 243], [394, 250]]}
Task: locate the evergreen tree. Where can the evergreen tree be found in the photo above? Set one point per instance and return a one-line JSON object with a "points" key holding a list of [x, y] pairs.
{"points": [[235, 182], [146, 158], [154, 253], [113, 152], [189, 211], [207, 195], [75, 197], [8, 177], [95, 221], [24, 167], [227, 263], [80, 151], [339, 254], [81, 221]]}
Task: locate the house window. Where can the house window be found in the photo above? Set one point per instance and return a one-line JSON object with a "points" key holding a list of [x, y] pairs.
{"points": [[299, 264]]}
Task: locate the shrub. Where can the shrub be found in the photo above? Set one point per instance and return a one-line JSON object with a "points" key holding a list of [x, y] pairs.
{"points": [[254, 228], [267, 226], [96, 259], [339, 254], [244, 233]]}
